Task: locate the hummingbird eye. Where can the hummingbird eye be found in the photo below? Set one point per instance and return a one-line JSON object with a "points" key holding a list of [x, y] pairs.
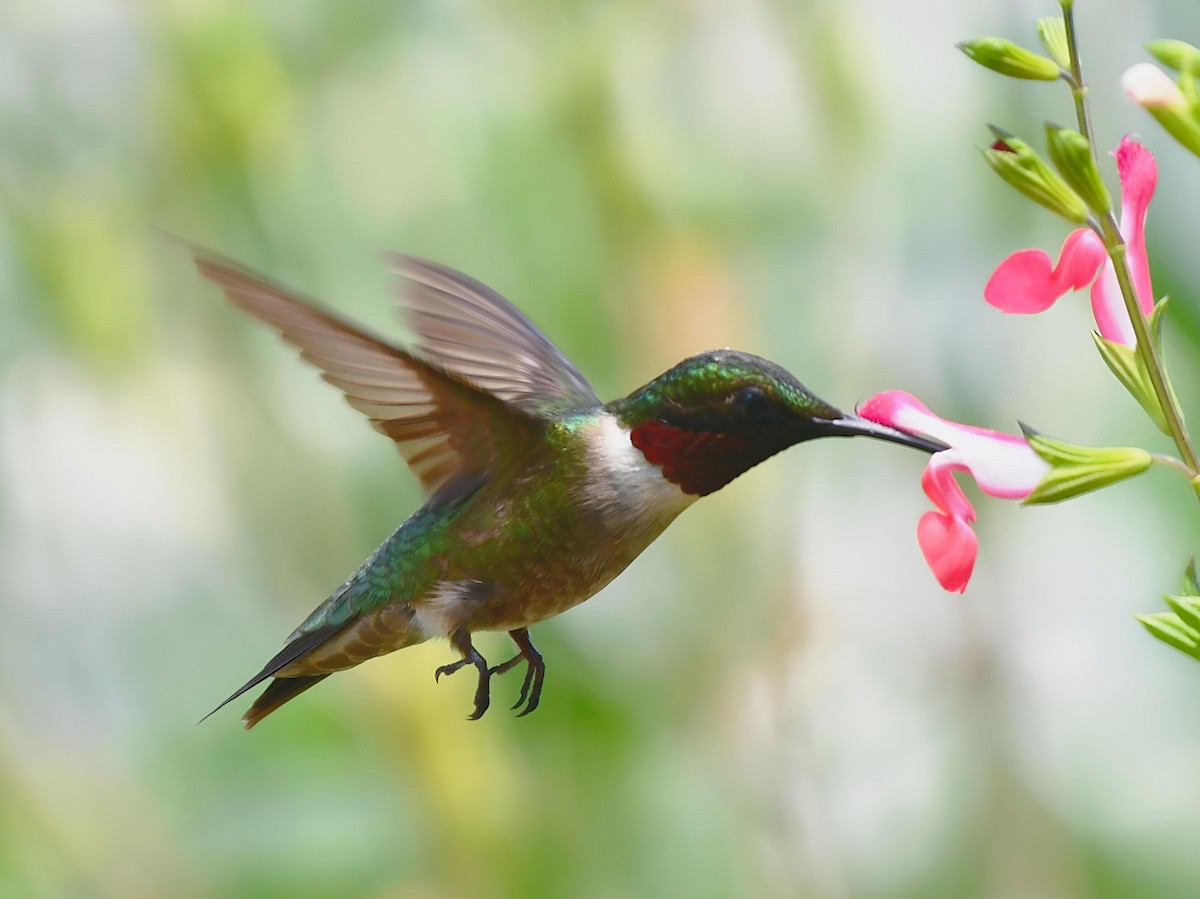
{"points": [[752, 404]]}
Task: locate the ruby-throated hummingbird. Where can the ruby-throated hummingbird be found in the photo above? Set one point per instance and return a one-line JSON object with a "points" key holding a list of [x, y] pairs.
{"points": [[538, 494]]}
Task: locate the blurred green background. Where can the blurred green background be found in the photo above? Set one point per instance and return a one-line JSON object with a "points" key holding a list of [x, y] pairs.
{"points": [[776, 700]]}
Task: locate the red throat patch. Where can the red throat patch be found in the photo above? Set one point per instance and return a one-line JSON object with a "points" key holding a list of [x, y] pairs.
{"points": [[699, 462]]}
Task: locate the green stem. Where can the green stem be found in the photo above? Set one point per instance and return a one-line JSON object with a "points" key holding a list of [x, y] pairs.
{"points": [[1147, 347], [1172, 463], [1114, 245], [1079, 90]]}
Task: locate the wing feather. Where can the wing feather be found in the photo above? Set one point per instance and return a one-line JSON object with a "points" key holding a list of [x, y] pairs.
{"points": [[469, 330], [446, 426]]}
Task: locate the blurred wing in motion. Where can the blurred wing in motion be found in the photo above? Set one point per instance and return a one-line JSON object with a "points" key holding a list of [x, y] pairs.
{"points": [[467, 329], [450, 431]]}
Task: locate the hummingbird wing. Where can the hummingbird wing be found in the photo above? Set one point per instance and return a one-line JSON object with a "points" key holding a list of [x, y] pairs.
{"points": [[466, 328], [449, 431]]}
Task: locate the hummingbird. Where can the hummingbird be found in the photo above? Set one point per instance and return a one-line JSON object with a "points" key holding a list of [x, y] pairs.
{"points": [[538, 494]]}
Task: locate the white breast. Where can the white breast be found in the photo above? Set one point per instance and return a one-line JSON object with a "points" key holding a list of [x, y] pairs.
{"points": [[624, 482]]}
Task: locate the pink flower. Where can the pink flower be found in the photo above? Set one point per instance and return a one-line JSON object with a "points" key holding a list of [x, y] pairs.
{"points": [[1028, 282], [1003, 466]]}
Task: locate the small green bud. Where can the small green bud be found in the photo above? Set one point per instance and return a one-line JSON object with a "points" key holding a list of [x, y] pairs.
{"points": [[1178, 55], [1003, 56], [1018, 164], [1072, 156], [1052, 31], [1076, 470], [1167, 626]]}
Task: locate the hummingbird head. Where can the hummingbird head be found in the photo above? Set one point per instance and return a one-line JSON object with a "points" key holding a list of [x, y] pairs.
{"points": [[718, 414]]}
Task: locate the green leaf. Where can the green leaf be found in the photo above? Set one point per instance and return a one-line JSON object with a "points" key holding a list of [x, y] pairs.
{"points": [[1188, 585], [1003, 56], [1167, 627], [1020, 165], [1154, 320], [1188, 610], [1130, 368], [1052, 32], [1076, 470]]}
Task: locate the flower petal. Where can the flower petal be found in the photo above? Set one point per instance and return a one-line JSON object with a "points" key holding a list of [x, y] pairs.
{"points": [[1026, 282], [1003, 465], [950, 548], [945, 537], [1139, 175]]}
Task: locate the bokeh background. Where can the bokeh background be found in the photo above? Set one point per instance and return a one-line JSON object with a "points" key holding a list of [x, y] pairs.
{"points": [[777, 700]]}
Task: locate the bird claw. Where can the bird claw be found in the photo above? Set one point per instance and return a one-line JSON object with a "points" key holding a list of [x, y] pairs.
{"points": [[448, 669], [535, 671], [462, 641], [531, 687]]}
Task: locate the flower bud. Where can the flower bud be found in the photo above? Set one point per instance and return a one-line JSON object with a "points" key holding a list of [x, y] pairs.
{"points": [[1018, 164], [1052, 31], [1003, 56], [1072, 156], [1178, 55], [1150, 87], [1076, 470]]}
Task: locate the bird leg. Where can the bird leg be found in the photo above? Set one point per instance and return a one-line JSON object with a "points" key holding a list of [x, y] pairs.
{"points": [[461, 639], [535, 670]]}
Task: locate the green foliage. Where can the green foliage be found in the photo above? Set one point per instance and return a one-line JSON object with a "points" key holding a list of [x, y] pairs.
{"points": [[1003, 56], [1072, 156], [1076, 470], [1171, 629], [1052, 32], [1129, 367], [1178, 55], [1020, 165], [1181, 626]]}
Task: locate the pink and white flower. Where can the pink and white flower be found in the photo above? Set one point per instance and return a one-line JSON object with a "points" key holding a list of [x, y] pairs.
{"points": [[1149, 86], [1028, 281], [1003, 466]]}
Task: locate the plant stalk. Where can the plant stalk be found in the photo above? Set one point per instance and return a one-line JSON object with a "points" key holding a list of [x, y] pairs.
{"points": [[1147, 348], [1114, 245], [1079, 89]]}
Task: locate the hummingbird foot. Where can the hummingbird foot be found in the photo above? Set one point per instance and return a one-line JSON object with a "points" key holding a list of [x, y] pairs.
{"points": [[535, 670], [461, 639]]}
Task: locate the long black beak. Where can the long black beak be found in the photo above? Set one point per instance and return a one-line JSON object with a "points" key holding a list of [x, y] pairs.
{"points": [[851, 425]]}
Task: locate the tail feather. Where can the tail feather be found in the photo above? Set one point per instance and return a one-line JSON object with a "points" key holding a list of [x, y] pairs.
{"points": [[298, 647], [280, 691]]}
